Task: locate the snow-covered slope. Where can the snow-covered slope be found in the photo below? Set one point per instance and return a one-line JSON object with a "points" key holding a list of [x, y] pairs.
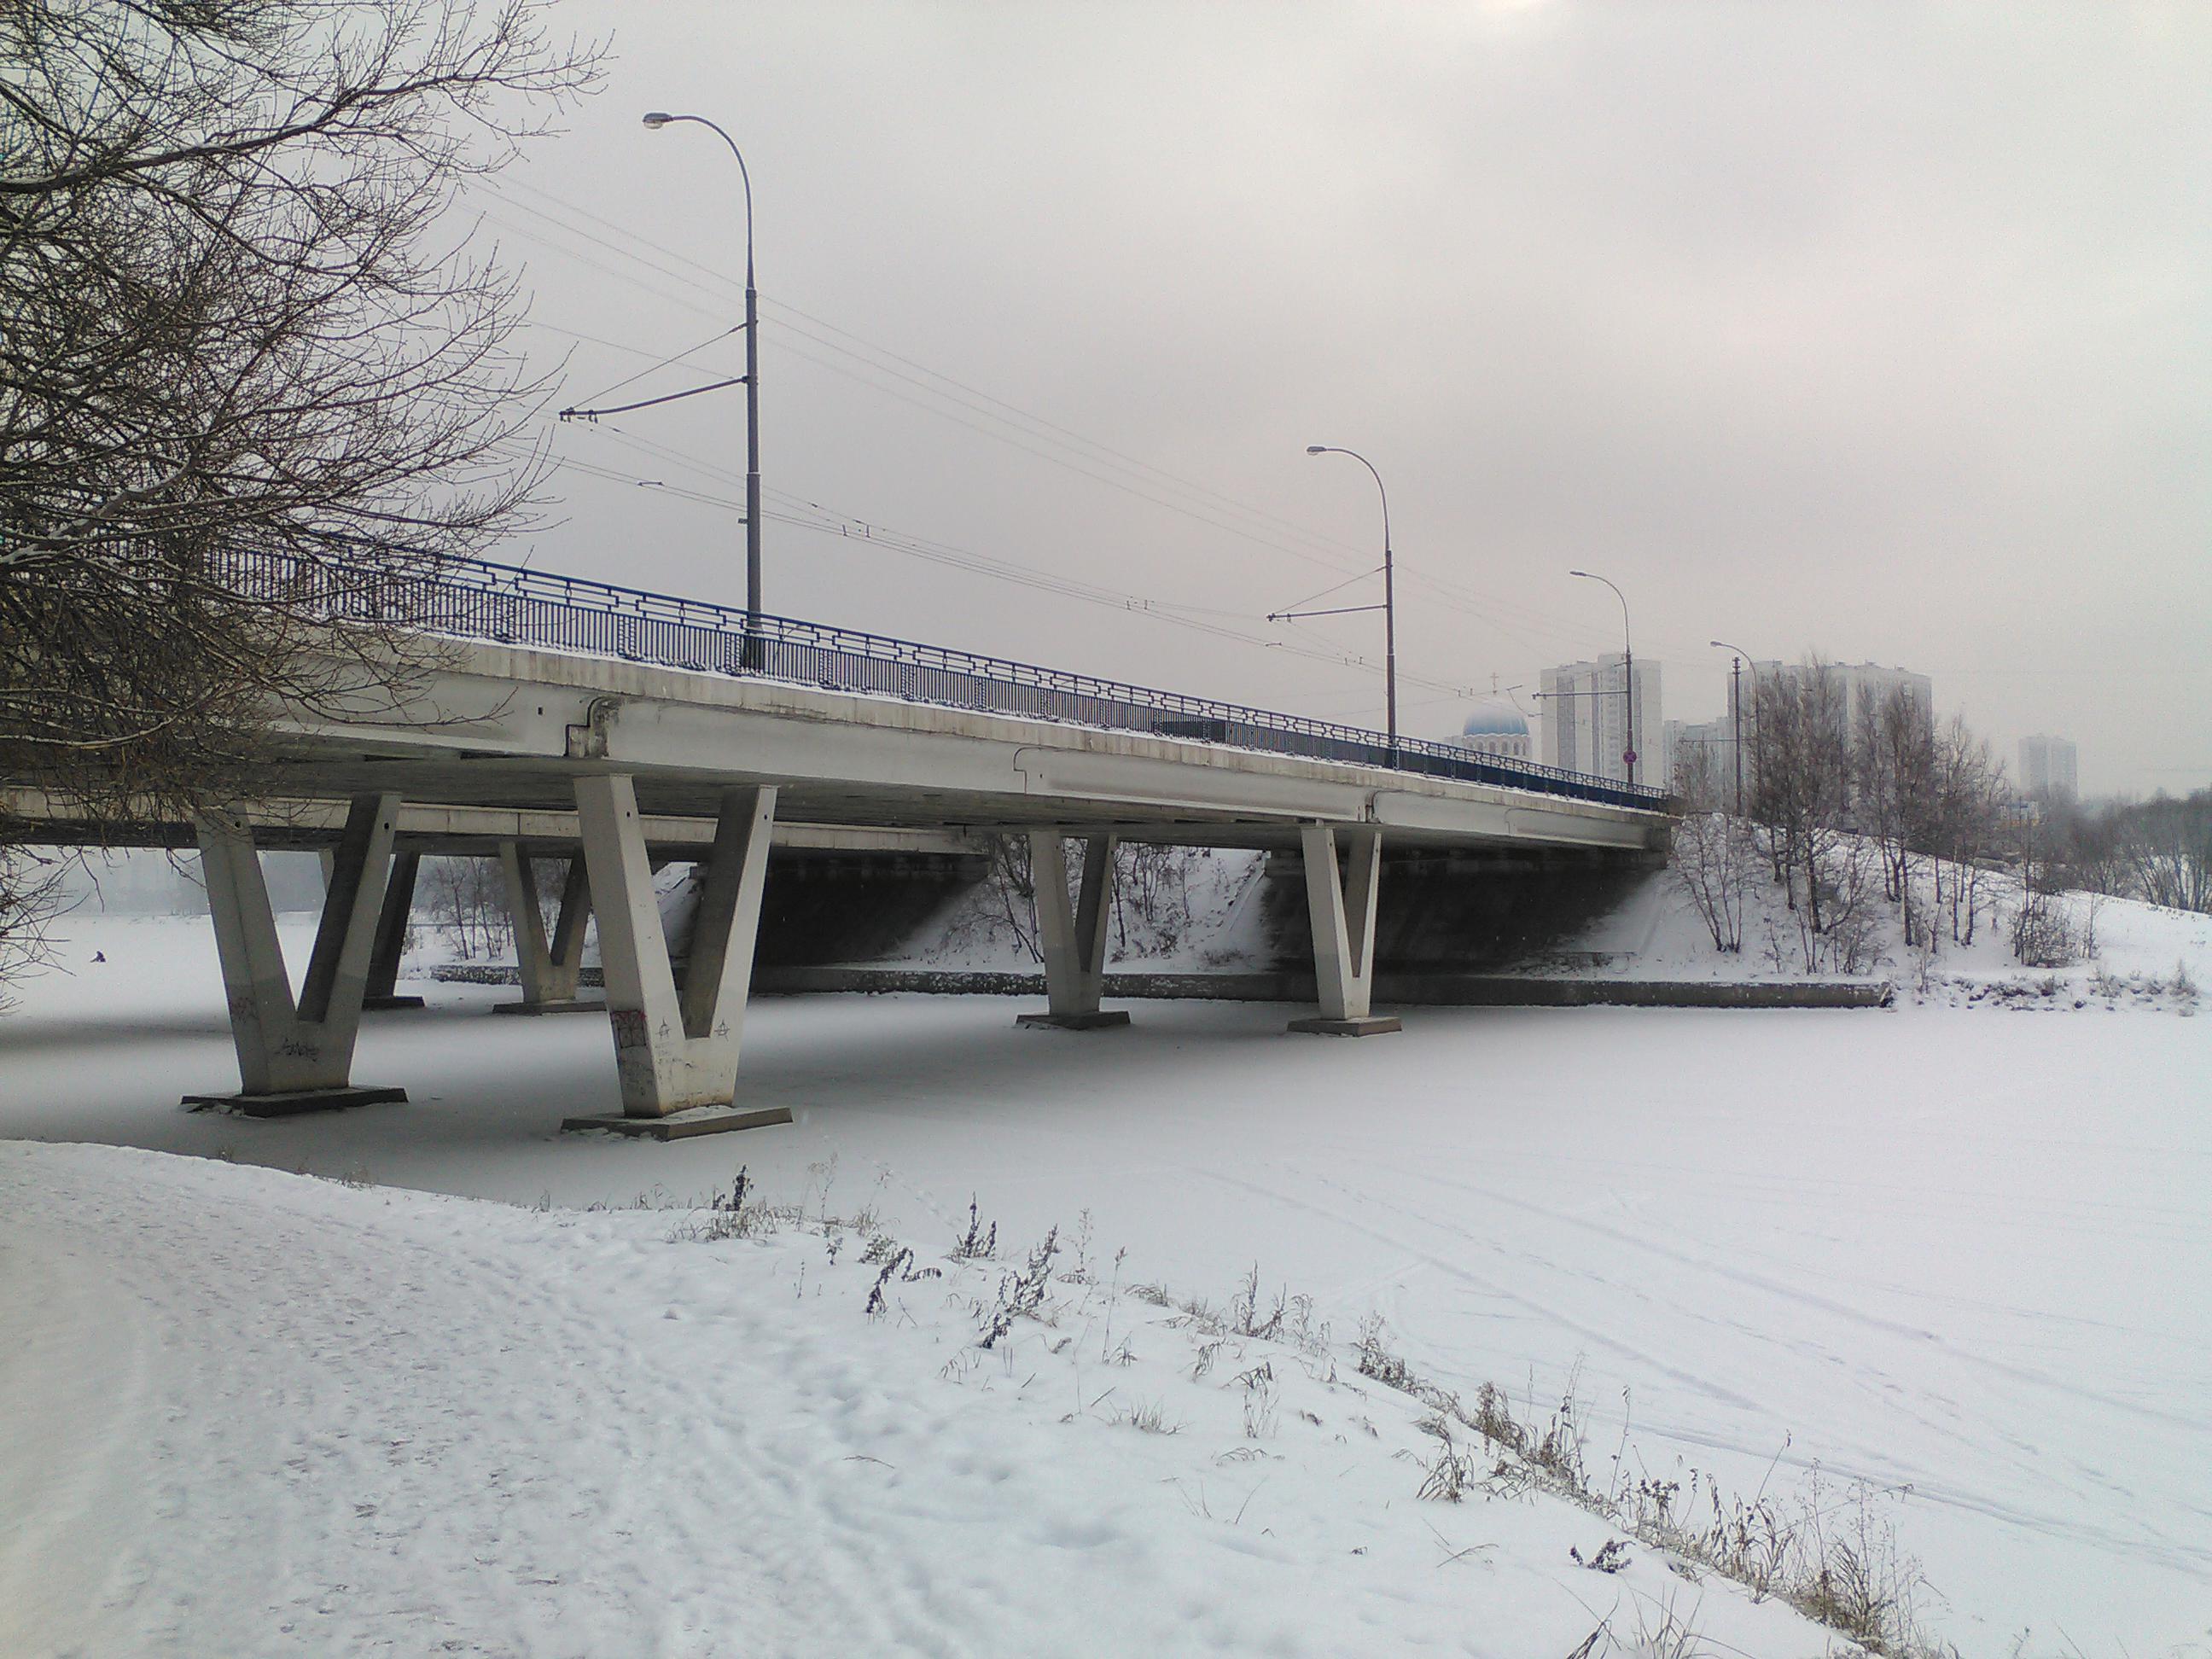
{"points": [[256, 1413], [2133, 954]]}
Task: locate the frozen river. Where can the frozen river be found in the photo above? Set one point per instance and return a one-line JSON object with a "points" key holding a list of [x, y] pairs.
{"points": [[1962, 1253]]}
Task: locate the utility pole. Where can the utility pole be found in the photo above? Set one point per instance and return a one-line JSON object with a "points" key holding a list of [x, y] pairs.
{"points": [[657, 120], [1735, 710], [1389, 606], [1628, 674], [1735, 725]]}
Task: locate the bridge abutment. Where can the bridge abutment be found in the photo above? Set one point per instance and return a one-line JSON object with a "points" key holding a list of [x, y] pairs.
{"points": [[676, 1046], [1342, 907], [297, 1055], [1071, 933]]}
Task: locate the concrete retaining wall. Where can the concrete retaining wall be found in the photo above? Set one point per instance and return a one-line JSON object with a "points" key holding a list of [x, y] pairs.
{"points": [[1410, 990]]}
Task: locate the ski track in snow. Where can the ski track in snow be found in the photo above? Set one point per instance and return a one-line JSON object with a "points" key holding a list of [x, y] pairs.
{"points": [[343, 1339], [2140, 1540], [342, 1421]]}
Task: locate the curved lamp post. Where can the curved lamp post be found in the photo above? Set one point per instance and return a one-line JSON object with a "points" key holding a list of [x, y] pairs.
{"points": [[657, 120], [1736, 709], [1627, 675], [1390, 595]]}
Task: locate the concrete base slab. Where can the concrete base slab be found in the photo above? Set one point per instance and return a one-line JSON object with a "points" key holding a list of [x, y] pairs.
{"points": [[682, 1126], [1093, 1022], [560, 1005], [379, 1005], [1373, 1026], [292, 1102]]}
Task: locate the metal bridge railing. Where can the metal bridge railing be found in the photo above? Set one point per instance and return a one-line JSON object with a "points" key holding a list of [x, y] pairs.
{"points": [[473, 600]]}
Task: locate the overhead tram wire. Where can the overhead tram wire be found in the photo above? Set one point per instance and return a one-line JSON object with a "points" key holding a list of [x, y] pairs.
{"points": [[824, 521], [1182, 614], [665, 362], [867, 529], [1483, 607], [1487, 608], [708, 278]]}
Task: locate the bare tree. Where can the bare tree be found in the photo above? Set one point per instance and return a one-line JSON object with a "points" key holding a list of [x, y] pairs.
{"points": [[1966, 817], [1803, 779], [1012, 889], [468, 903], [247, 369], [1714, 859], [2166, 845], [1712, 854], [1151, 897], [1894, 761]]}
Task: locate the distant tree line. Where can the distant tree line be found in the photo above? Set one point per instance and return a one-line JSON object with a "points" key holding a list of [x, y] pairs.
{"points": [[2159, 850], [1850, 809]]}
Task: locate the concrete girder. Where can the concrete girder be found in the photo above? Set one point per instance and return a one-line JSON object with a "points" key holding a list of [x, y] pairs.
{"points": [[1071, 933], [676, 1048], [521, 720], [295, 1056]]}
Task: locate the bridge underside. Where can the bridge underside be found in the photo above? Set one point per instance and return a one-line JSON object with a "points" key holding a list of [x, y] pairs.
{"points": [[616, 768]]}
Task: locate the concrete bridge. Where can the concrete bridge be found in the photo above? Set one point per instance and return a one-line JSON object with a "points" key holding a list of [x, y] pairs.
{"points": [[550, 717]]}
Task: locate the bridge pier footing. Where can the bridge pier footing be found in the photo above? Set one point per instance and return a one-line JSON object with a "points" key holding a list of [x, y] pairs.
{"points": [[550, 971], [676, 1046], [1341, 905], [297, 1055], [1071, 933]]}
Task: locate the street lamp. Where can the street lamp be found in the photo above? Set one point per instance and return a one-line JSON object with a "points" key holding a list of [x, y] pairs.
{"points": [[1389, 596], [1736, 708], [1628, 673], [657, 120]]}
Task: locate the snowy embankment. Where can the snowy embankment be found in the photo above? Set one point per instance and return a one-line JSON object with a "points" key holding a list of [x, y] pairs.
{"points": [[2126, 954], [252, 1413]]}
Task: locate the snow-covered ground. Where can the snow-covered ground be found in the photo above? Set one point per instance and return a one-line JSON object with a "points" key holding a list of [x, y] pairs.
{"points": [[1961, 1253], [331, 1420], [2134, 949]]}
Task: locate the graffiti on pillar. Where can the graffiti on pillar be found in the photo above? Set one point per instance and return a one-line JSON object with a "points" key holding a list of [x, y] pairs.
{"points": [[630, 1028]]}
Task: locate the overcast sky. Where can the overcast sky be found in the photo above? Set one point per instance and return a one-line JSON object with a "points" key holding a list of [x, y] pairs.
{"points": [[1877, 330]]}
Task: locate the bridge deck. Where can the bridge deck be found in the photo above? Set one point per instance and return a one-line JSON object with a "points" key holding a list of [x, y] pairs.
{"points": [[517, 725]]}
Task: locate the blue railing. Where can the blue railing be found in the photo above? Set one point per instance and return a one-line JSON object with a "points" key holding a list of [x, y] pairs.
{"points": [[471, 599]]}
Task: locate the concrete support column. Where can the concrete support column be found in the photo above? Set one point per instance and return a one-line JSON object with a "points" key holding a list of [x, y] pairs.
{"points": [[676, 1046], [1342, 912], [1071, 933], [550, 971], [297, 1056], [391, 943]]}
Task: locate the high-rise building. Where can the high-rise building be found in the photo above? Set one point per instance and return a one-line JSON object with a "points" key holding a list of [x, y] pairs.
{"points": [[1857, 686], [2047, 767], [1586, 720], [1701, 752]]}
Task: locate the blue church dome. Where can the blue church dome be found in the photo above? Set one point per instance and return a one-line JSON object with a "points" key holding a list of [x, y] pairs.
{"points": [[1495, 721]]}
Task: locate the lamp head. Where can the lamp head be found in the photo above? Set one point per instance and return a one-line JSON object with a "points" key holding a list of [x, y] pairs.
{"points": [[1584, 574], [657, 118], [1316, 449]]}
